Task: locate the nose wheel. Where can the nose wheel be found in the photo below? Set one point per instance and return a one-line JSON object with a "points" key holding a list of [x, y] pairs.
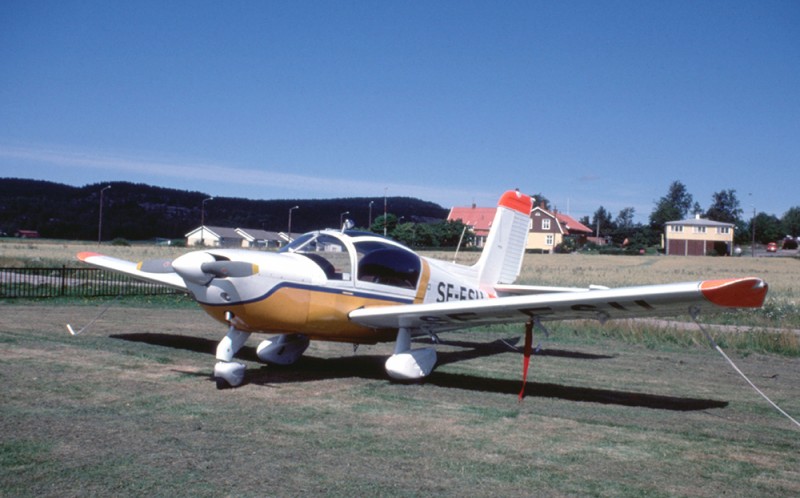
{"points": [[229, 373]]}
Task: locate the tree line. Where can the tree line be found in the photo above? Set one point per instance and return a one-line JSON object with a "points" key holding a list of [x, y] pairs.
{"points": [[141, 212], [678, 204], [136, 212]]}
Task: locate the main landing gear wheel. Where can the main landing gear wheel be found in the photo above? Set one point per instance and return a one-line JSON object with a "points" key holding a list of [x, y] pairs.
{"points": [[228, 374]]}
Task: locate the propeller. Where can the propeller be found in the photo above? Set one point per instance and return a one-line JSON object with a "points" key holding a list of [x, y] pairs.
{"points": [[199, 267], [224, 269]]}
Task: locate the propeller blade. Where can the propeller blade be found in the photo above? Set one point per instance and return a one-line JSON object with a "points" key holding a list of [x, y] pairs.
{"points": [[223, 269], [155, 266]]}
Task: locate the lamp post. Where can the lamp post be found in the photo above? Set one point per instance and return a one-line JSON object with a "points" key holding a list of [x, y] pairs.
{"points": [[100, 221], [203, 220], [753, 228], [341, 219], [289, 230], [384, 210], [753, 241], [370, 214]]}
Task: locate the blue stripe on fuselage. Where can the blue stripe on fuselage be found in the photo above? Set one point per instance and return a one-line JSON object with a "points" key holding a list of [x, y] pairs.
{"points": [[316, 288]]}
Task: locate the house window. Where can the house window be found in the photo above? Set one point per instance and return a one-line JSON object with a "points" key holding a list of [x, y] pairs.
{"points": [[676, 228], [699, 229], [546, 224], [724, 230], [548, 240]]}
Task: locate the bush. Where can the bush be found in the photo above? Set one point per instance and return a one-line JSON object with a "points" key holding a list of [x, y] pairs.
{"points": [[120, 242]]}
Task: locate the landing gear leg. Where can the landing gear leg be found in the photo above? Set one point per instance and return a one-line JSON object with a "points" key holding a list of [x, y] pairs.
{"points": [[226, 371], [407, 363]]}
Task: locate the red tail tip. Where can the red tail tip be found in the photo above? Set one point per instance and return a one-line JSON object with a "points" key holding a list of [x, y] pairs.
{"points": [[514, 199]]}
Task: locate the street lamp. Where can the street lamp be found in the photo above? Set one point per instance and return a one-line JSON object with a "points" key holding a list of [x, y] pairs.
{"points": [[370, 214], [203, 220], [289, 230], [753, 228], [753, 241], [341, 219], [385, 190], [100, 221]]}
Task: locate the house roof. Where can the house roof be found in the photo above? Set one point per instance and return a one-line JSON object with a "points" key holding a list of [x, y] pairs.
{"points": [[700, 222], [219, 232], [253, 234], [478, 218], [249, 234], [571, 224], [567, 224]]}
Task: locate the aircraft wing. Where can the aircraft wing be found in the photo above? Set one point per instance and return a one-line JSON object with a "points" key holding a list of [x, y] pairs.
{"points": [[601, 304], [132, 270], [523, 290]]}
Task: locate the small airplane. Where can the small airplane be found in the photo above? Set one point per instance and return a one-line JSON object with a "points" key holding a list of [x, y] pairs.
{"points": [[361, 288]]}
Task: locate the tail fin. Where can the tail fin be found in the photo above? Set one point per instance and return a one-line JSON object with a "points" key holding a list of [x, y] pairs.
{"points": [[501, 259]]}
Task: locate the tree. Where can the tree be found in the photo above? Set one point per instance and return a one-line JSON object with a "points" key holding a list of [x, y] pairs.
{"points": [[625, 218], [724, 207], [448, 233], [541, 201], [673, 206], [768, 228], [626, 228], [602, 222], [384, 223], [790, 223]]}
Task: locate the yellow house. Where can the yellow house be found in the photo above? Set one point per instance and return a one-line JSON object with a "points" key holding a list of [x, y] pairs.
{"points": [[698, 237], [548, 229]]}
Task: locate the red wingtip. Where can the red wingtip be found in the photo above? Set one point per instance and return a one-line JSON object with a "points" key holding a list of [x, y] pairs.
{"points": [[83, 256], [735, 292], [514, 199]]}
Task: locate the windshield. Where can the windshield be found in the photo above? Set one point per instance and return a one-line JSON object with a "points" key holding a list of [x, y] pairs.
{"points": [[328, 252]]}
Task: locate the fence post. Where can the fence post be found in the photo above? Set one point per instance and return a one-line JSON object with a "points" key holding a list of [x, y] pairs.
{"points": [[63, 280]]}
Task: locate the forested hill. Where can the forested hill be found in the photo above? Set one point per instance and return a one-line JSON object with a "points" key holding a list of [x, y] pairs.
{"points": [[140, 212]]}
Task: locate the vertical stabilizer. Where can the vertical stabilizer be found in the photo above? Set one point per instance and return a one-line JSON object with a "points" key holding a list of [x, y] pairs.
{"points": [[501, 259]]}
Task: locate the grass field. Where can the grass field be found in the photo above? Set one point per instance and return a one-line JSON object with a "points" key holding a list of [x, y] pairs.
{"points": [[129, 409]]}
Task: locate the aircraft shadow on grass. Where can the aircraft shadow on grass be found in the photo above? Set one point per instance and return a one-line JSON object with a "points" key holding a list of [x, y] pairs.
{"points": [[310, 368]]}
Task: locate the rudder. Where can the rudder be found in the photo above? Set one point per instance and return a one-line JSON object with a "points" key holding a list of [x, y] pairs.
{"points": [[501, 259]]}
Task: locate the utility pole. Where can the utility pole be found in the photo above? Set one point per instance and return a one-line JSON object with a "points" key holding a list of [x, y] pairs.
{"points": [[289, 230], [203, 221], [753, 242], [100, 222]]}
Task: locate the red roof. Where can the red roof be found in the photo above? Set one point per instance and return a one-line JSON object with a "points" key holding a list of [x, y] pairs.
{"points": [[571, 224], [478, 218]]}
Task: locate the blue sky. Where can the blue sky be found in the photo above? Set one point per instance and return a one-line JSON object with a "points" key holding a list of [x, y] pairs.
{"points": [[591, 103]]}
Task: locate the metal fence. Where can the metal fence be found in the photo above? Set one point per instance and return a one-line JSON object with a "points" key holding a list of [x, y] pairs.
{"points": [[72, 282]]}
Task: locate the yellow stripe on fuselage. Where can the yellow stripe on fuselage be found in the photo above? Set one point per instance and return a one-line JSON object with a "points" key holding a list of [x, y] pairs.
{"points": [[319, 314], [422, 288]]}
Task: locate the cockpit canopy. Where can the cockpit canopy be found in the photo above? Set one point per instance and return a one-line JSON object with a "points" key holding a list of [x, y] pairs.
{"points": [[377, 260]]}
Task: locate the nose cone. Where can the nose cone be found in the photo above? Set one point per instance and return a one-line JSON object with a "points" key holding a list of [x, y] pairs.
{"points": [[189, 267]]}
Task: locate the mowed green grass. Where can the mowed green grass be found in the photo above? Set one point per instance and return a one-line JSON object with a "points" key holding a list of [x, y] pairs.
{"points": [[128, 409]]}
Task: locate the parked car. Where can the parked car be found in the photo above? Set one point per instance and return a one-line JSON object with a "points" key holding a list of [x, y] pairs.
{"points": [[789, 242], [772, 247]]}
